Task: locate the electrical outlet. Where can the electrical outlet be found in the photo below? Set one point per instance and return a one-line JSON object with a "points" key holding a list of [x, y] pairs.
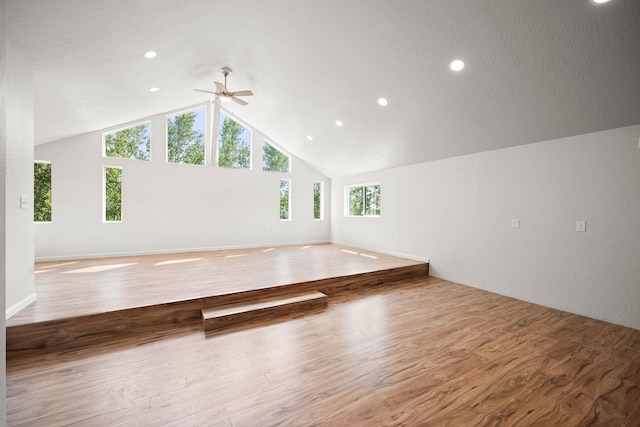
{"points": [[515, 223], [581, 226], [24, 202]]}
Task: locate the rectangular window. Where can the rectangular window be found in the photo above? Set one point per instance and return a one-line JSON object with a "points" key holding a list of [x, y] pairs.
{"points": [[42, 191], [285, 199], [363, 200], [185, 137], [129, 143], [273, 160], [372, 200], [112, 194], [318, 197], [234, 144]]}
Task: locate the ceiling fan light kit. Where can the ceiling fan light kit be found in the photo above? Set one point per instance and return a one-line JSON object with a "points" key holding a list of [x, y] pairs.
{"points": [[224, 94]]}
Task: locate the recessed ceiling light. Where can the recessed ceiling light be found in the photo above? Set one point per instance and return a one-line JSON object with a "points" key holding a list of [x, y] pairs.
{"points": [[154, 89], [339, 123], [457, 65], [382, 101], [600, 1], [309, 137], [150, 54]]}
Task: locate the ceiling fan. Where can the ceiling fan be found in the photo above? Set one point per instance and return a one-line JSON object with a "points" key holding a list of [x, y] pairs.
{"points": [[224, 94]]}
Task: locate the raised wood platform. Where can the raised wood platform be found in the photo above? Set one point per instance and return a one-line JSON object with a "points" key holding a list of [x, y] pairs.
{"points": [[215, 319], [89, 301]]}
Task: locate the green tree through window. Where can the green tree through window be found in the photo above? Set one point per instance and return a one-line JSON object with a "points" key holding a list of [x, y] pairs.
{"points": [[185, 138], [317, 200], [372, 200], [364, 200], [273, 160], [113, 194], [131, 143], [42, 192], [356, 198], [234, 146], [285, 191]]}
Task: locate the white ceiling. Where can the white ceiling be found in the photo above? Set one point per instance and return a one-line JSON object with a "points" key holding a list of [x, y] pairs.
{"points": [[536, 70]]}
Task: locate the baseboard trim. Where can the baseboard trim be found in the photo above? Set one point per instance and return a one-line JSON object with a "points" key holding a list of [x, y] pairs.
{"points": [[175, 251], [20, 305], [380, 251]]}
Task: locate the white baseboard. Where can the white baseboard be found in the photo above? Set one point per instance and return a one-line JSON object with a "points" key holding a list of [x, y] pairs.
{"points": [[21, 304], [380, 251], [175, 251]]}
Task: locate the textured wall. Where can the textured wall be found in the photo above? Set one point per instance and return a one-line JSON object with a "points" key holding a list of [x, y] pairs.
{"points": [[170, 207], [3, 206], [20, 286], [457, 212]]}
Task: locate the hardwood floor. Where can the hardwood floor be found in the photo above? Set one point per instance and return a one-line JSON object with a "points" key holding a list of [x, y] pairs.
{"points": [[82, 303], [420, 352], [90, 286]]}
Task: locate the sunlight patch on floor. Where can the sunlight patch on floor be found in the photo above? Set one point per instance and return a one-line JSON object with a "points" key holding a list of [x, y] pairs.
{"points": [[97, 268], [177, 261], [61, 264]]}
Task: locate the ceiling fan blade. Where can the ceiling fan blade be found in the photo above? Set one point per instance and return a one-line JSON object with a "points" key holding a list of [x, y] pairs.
{"points": [[207, 91], [242, 93], [220, 87], [239, 101]]}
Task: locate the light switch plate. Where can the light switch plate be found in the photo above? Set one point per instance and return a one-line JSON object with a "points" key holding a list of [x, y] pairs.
{"points": [[581, 226], [24, 202], [515, 223]]}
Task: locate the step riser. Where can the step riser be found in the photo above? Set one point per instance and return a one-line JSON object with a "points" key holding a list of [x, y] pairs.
{"points": [[214, 322]]}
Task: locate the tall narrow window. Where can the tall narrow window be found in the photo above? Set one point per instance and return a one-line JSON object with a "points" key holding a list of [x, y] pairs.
{"points": [[185, 138], [285, 199], [363, 200], [317, 199], [42, 191], [112, 194], [130, 143], [273, 160], [234, 145]]}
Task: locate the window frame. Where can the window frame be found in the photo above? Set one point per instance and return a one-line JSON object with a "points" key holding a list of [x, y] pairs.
{"points": [[205, 110], [120, 129], [280, 150], [321, 207], [220, 122], [104, 195], [288, 181], [347, 200], [46, 162]]}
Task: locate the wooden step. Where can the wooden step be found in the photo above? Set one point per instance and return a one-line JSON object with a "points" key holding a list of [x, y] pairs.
{"points": [[219, 318]]}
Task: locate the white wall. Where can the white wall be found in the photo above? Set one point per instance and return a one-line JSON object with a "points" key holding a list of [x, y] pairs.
{"points": [[19, 230], [457, 213], [16, 179], [170, 207], [3, 217]]}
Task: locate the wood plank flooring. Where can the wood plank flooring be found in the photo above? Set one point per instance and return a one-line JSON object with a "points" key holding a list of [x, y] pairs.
{"points": [[221, 318], [89, 301], [69, 289], [420, 352]]}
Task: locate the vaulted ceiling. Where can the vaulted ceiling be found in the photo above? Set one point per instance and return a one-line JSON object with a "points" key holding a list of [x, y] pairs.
{"points": [[535, 70]]}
